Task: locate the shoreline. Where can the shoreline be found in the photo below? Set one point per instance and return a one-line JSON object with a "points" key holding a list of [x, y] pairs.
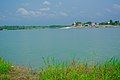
{"points": [[109, 70], [71, 27]]}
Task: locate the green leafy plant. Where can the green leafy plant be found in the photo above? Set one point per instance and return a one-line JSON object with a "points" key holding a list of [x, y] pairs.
{"points": [[4, 77], [4, 66], [109, 70]]}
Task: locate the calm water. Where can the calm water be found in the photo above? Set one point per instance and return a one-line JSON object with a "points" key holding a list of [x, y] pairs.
{"points": [[27, 47]]}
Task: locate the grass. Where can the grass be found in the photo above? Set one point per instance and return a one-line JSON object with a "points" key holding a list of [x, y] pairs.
{"points": [[110, 70], [5, 67], [10, 72], [54, 70]]}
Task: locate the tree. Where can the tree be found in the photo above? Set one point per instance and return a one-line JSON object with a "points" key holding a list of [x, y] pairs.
{"points": [[116, 22], [88, 23], [111, 22]]}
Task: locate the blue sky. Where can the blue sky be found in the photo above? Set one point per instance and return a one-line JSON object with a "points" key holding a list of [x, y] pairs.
{"points": [[49, 12]]}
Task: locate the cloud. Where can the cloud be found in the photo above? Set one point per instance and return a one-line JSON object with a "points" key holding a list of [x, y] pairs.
{"points": [[63, 14], [116, 6], [108, 10], [23, 11], [59, 4], [57, 14], [35, 13], [45, 9], [46, 3]]}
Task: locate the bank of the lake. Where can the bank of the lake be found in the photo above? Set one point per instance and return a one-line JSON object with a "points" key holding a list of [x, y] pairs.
{"points": [[109, 70], [4, 28]]}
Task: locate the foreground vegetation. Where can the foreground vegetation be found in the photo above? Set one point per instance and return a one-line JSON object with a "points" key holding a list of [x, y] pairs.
{"points": [[5, 67], [109, 70]]}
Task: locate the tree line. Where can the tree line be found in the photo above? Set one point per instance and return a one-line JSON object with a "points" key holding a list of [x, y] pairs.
{"points": [[29, 27]]}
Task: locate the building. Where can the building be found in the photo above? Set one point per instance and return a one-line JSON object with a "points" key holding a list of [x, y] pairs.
{"points": [[77, 24]]}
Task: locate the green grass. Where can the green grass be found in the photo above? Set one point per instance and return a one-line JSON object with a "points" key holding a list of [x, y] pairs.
{"points": [[56, 70], [5, 67], [110, 70]]}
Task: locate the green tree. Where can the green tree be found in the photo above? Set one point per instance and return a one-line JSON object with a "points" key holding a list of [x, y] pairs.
{"points": [[116, 22], [111, 22]]}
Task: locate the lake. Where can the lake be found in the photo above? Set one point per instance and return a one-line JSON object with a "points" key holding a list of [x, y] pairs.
{"points": [[27, 47]]}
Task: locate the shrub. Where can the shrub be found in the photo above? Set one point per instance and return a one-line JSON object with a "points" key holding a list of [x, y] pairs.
{"points": [[4, 66], [4, 77], [109, 70]]}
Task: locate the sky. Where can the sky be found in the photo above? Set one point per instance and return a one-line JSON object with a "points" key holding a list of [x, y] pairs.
{"points": [[54, 12]]}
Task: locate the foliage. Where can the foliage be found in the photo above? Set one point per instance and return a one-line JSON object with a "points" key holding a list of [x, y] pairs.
{"points": [[29, 27], [4, 77], [5, 67], [111, 22], [56, 70], [109, 70]]}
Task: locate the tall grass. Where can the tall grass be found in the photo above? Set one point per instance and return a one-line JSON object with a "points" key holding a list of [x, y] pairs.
{"points": [[5, 67], [56, 70], [110, 70]]}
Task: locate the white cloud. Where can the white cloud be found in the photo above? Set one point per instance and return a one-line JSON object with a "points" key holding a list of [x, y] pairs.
{"points": [[35, 13], [63, 14], [59, 4], [116, 6], [23, 11], [113, 9], [45, 9], [57, 14], [46, 3], [108, 10]]}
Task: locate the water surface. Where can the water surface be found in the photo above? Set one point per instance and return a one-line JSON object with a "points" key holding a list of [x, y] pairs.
{"points": [[27, 47]]}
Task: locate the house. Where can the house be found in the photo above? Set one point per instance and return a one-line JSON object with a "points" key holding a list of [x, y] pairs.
{"points": [[77, 24], [93, 24]]}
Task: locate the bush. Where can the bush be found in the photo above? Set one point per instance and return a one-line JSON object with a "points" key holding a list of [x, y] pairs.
{"points": [[109, 70], [4, 66], [4, 77]]}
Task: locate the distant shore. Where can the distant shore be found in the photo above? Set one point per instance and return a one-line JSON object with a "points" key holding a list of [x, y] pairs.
{"points": [[97, 26], [3, 28]]}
